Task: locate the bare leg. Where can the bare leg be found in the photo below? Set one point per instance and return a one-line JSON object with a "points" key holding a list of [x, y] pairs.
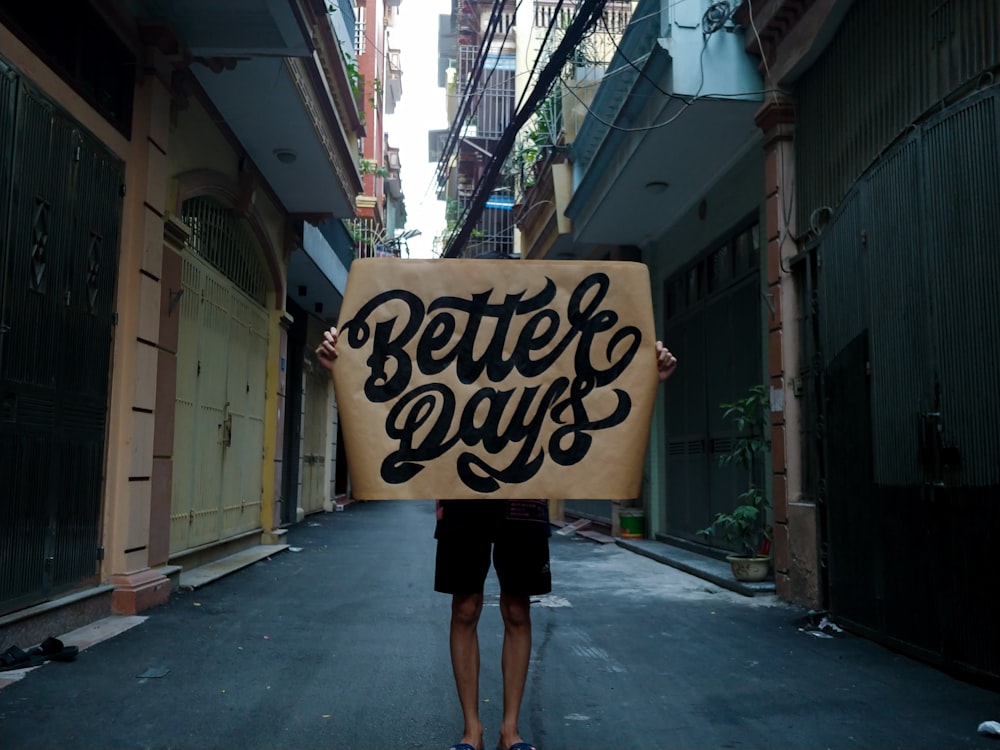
{"points": [[516, 612], [465, 611]]}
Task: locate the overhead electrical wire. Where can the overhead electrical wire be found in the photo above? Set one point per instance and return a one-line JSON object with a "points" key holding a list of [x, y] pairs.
{"points": [[585, 18], [713, 20], [465, 218], [452, 138], [631, 64], [506, 34], [541, 51], [472, 89], [457, 124], [475, 91]]}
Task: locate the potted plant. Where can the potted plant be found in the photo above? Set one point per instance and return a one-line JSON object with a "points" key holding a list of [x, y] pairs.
{"points": [[746, 524]]}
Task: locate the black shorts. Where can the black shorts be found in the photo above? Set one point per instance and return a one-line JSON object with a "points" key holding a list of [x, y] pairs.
{"points": [[522, 565]]}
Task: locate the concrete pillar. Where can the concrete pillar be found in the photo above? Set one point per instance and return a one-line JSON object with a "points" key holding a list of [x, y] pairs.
{"points": [[137, 536], [796, 548]]}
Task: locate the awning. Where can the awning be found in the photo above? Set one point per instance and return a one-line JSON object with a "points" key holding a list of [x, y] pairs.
{"points": [[672, 115], [317, 276]]}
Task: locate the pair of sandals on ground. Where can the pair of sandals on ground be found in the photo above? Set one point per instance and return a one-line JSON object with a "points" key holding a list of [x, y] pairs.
{"points": [[515, 746], [51, 649]]}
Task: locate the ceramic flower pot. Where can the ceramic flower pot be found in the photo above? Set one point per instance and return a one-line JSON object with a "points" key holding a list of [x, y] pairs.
{"points": [[749, 569]]}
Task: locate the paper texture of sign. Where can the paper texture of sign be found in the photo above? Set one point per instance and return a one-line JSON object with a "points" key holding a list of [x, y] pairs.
{"points": [[472, 378]]}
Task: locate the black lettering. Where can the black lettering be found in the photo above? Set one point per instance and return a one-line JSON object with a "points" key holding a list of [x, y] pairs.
{"points": [[577, 429], [406, 418], [523, 427], [380, 388], [424, 423], [469, 367]]}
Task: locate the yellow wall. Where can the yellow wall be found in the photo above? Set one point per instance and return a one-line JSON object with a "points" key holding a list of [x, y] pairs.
{"points": [[197, 144], [201, 154], [125, 532]]}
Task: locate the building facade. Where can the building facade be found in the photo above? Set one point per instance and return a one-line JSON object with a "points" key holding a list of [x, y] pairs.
{"points": [[477, 50], [882, 252], [790, 174], [153, 226], [379, 88]]}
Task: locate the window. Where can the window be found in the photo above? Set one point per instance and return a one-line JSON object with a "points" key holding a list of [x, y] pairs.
{"points": [[360, 41], [82, 49], [221, 239], [718, 269]]}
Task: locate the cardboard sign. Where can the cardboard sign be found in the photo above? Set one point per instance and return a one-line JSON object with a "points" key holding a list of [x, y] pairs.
{"points": [[471, 378]]}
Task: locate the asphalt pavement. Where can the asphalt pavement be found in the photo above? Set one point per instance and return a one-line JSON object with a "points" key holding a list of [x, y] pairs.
{"points": [[340, 642]]}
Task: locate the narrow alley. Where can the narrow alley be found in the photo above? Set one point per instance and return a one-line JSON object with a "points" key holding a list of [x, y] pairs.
{"points": [[628, 653]]}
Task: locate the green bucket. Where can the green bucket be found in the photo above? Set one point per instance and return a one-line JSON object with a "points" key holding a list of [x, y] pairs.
{"points": [[632, 523]]}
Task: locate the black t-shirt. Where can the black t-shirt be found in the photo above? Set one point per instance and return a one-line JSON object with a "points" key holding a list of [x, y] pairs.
{"points": [[492, 519]]}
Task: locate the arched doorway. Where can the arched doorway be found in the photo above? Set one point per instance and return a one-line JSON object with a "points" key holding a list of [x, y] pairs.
{"points": [[221, 380]]}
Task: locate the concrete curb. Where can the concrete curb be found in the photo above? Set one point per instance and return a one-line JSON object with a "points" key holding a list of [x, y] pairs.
{"points": [[706, 568]]}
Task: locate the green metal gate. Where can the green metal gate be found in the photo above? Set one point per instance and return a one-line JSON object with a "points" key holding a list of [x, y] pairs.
{"points": [[713, 326], [60, 213], [909, 269]]}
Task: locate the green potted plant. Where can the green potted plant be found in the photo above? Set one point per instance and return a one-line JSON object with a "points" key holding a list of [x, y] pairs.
{"points": [[746, 525]]}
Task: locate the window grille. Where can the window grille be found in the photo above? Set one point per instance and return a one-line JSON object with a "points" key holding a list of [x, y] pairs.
{"points": [[494, 232], [493, 101], [714, 272], [370, 240], [360, 41], [220, 238]]}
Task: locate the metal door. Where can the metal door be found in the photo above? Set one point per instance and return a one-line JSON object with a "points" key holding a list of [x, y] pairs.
{"points": [[243, 460], [294, 463], [910, 346], [220, 406], [60, 211], [316, 418], [688, 463], [719, 343]]}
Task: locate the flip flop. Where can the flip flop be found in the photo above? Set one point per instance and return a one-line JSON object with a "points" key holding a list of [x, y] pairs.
{"points": [[519, 746], [463, 746], [52, 649], [15, 658]]}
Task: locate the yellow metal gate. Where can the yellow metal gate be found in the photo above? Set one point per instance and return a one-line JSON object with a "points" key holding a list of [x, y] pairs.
{"points": [[220, 405], [314, 427]]}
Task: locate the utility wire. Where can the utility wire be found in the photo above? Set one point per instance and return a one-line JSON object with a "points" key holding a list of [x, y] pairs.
{"points": [[541, 51], [476, 93], [713, 20], [585, 18], [451, 144], [451, 140]]}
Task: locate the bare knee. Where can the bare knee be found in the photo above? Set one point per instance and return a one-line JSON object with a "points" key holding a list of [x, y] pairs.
{"points": [[465, 609], [516, 611]]}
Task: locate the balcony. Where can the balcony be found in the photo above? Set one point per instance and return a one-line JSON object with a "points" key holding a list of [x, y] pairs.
{"points": [[671, 116], [393, 185], [546, 232], [394, 81], [283, 90]]}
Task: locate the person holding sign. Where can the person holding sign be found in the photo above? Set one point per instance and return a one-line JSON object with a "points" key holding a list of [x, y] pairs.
{"points": [[515, 535]]}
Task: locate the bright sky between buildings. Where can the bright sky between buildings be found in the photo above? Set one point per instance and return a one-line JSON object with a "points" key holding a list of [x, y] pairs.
{"points": [[421, 108]]}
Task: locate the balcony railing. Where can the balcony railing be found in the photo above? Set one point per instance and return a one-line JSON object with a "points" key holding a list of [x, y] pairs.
{"points": [[492, 102], [494, 232], [344, 14]]}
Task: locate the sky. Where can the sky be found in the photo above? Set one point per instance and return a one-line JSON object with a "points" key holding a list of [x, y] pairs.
{"points": [[421, 109]]}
